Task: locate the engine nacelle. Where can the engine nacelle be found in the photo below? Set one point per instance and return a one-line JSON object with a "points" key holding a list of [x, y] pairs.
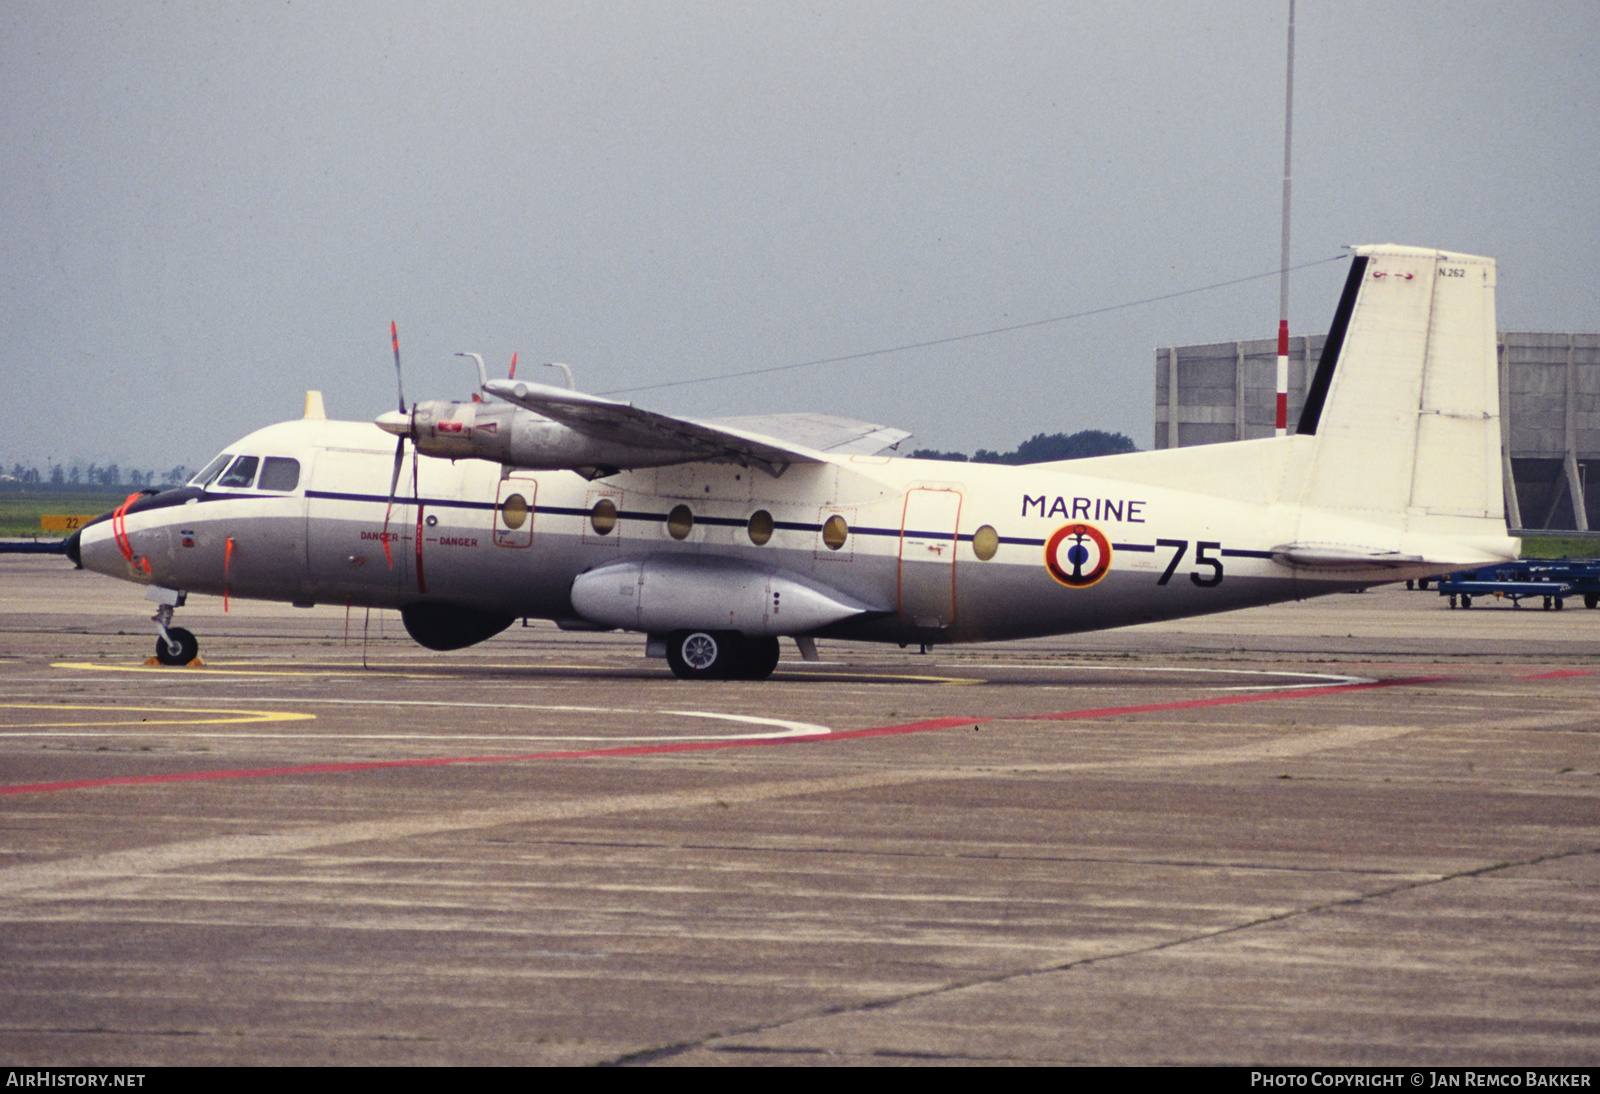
{"points": [[510, 435], [661, 593]]}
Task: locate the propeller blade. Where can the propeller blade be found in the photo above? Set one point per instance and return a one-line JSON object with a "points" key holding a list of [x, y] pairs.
{"points": [[394, 335], [394, 484], [513, 366], [416, 499]]}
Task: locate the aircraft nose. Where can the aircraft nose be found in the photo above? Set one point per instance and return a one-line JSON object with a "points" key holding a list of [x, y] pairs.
{"points": [[94, 548], [395, 422]]}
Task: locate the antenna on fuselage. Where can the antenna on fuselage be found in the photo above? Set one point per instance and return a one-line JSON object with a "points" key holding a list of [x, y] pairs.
{"points": [[483, 375], [566, 369]]}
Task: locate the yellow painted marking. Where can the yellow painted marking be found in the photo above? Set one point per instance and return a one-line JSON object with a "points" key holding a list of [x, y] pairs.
{"points": [[64, 522], [207, 670], [210, 670], [232, 717]]}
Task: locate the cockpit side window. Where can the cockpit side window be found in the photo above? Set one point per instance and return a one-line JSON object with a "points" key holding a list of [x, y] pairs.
{"points": [[242, 473], [280, 473], [213, 469]]}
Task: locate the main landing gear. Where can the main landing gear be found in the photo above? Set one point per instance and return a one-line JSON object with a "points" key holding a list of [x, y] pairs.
{"points": [[176, 645], [720, 655]]}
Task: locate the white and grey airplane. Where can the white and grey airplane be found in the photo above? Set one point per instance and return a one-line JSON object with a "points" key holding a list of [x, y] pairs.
{"points": [[715, 538]]}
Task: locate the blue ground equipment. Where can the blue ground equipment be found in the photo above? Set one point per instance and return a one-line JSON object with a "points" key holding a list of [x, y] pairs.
{"points": [[1551, 579]]}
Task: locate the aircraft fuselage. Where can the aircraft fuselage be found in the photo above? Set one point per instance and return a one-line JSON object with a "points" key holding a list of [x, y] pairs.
{"points": [[1064, 552]]}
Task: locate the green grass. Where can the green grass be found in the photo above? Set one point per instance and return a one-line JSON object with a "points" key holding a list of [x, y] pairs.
{"points": [[1560, 547], [20, 513]]}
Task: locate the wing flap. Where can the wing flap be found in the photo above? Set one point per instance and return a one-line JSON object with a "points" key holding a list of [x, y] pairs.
{"points": [[821, 432]]}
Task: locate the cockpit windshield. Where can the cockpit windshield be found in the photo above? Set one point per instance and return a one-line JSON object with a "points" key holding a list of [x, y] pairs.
{"points": [[280, 474], [213, 469], [242, 473]]}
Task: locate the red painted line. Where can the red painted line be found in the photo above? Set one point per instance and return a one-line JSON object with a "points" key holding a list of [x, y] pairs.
{"points": [[926, 726], [1224, 700], [1560, 674]]}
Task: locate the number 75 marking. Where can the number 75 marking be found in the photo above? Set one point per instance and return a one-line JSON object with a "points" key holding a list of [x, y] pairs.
{"points": [[1202, 557]]}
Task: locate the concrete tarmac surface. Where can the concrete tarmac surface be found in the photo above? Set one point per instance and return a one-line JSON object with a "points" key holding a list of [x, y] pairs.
{"points": [[1362, 830]]}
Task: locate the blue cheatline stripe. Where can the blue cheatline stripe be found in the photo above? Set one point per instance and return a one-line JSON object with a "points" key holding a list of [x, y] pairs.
{"points": [[400, 499], [721, 522]]}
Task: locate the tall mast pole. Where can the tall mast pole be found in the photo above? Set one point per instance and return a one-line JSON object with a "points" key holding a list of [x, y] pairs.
{"points": [[1283, 258]]}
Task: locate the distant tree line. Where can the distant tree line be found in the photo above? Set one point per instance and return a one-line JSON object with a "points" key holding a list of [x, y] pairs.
{"points": [[1044, 448], [78, 476]]}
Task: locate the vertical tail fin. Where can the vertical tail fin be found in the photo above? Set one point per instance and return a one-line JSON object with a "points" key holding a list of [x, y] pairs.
{"points": [[1404, 406]]}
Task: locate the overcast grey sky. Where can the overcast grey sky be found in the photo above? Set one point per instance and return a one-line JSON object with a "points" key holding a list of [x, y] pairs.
{"points": [[209, 208]]}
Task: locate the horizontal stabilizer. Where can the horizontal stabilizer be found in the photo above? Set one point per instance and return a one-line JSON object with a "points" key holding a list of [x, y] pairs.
{"points": [[1312, 555]]}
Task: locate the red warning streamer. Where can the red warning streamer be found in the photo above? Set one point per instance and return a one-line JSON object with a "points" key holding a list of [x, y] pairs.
{"points": [[119, 526]]}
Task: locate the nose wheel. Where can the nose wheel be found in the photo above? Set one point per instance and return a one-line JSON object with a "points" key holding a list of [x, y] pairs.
{"points": [[175, 645], [178, 647]]}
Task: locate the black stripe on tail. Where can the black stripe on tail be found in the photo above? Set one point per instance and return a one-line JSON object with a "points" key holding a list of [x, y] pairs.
{"points": [[1330, 349]]}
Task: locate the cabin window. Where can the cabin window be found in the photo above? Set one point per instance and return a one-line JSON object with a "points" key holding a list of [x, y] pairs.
{"points": [[213, 469], [242, 473], [985, 542], [680, 522], [834, 532], [514, 511], [603, 518], [760, 528], [280, 473]]}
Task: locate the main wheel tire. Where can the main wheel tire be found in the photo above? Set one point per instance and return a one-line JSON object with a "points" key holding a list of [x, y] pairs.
{"points": [[1590, 600], [759, 658], [1466, 601], [188, 647], [702, 655]]}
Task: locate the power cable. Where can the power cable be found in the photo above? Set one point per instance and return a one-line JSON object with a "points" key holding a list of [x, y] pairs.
{"points": [[972, 335]]}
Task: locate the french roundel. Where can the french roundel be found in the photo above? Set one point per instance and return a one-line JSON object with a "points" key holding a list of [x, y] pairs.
{"points": [[1077, 555]]}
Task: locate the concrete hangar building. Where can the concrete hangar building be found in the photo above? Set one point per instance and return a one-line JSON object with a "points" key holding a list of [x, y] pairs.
{"points": [[1549, 412]]}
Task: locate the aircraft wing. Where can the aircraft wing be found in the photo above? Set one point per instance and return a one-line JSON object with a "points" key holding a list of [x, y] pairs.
{"points": [[822, 432], [626, 425]]}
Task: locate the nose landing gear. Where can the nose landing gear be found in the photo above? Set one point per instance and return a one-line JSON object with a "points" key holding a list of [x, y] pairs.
{"points": [[176, 645]]}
